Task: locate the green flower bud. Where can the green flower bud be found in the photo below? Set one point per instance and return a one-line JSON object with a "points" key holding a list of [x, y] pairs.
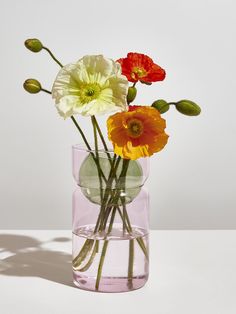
{"points": [[188, 107], [34, 45], [161, 105], [32, 86], [132, 92]]}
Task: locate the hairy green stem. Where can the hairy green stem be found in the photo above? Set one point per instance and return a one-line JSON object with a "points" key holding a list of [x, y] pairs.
{"points": [[53, 57]]}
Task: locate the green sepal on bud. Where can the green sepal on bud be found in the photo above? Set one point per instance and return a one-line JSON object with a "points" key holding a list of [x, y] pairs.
{"points": [[161, 105], [188, 107], [146, 83], [132, 92], [33, 45], [32, 86]]}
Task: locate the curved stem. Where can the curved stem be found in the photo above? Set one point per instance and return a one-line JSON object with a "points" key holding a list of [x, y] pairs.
{"points": [[91, 259], [81, 133], [53, 57], [87, 247]]}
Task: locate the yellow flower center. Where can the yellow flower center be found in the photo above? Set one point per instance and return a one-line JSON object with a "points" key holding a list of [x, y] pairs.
{"points": [[134, 128], [88, 92], [138, 72]]}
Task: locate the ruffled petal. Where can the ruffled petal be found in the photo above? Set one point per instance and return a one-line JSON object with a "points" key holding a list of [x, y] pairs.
{"points": [[139, 67], [100, 75], [66, 105], [151, 139]]}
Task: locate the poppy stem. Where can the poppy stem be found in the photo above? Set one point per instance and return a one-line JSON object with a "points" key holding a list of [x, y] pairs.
{"points": [[97, 156], [88, 147], [95, 122], [46, 91], [52, 56], [131, 263], [81, 132], [104, 250]]}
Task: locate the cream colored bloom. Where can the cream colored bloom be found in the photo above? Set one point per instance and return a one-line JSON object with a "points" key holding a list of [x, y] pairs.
{"points": [[93, 85]]}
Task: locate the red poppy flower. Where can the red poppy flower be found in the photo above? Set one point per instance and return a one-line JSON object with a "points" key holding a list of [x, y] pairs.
{"points": [[139, 67]]}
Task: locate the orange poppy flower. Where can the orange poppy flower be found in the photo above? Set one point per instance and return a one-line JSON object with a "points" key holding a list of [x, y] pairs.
{"points": [[137, 133], [139, 67]]}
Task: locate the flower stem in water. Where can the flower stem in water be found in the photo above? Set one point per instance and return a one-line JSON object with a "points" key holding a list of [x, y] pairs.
{"points": [[104, 249], [90, 261], [131, 263]]}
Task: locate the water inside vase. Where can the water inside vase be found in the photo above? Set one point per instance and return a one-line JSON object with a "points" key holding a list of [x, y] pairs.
{"points": [[119, 255]]}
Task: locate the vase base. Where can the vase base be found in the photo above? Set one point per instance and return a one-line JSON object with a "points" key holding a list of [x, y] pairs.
{"points": [[110, 284]]}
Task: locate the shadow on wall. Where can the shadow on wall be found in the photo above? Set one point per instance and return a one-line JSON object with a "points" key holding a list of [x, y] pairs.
{"points": [[30, 259]]}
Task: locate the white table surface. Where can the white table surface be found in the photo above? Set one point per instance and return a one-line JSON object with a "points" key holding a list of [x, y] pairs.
{"points": [[192, 272]]}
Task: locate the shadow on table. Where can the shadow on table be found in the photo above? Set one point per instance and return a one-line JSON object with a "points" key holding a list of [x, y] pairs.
{"points": [[30, 259]]}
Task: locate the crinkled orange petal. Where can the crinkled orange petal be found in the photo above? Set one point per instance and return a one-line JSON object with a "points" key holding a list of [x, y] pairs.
{"points": [[151, 140]]}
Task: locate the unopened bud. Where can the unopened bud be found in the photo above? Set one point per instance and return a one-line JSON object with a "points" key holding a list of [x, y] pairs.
{"points": [[32, 86], [132, 92], [188, 107], [161, 105], [34, 45]]}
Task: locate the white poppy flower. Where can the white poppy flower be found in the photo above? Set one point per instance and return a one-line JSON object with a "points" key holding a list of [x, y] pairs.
{"points": [[92, 86]]}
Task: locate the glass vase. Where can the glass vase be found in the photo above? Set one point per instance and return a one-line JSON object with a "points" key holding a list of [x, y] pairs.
{"points": [[110, 221]]}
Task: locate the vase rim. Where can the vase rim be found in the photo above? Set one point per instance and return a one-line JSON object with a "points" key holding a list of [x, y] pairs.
{"points": [[82, 147]]}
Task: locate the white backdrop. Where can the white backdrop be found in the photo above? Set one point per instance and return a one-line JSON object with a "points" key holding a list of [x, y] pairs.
{"points": [[192, 181]]}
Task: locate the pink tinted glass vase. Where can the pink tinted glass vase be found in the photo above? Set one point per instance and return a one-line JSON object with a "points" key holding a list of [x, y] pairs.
{"points": [[110, 222]]}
